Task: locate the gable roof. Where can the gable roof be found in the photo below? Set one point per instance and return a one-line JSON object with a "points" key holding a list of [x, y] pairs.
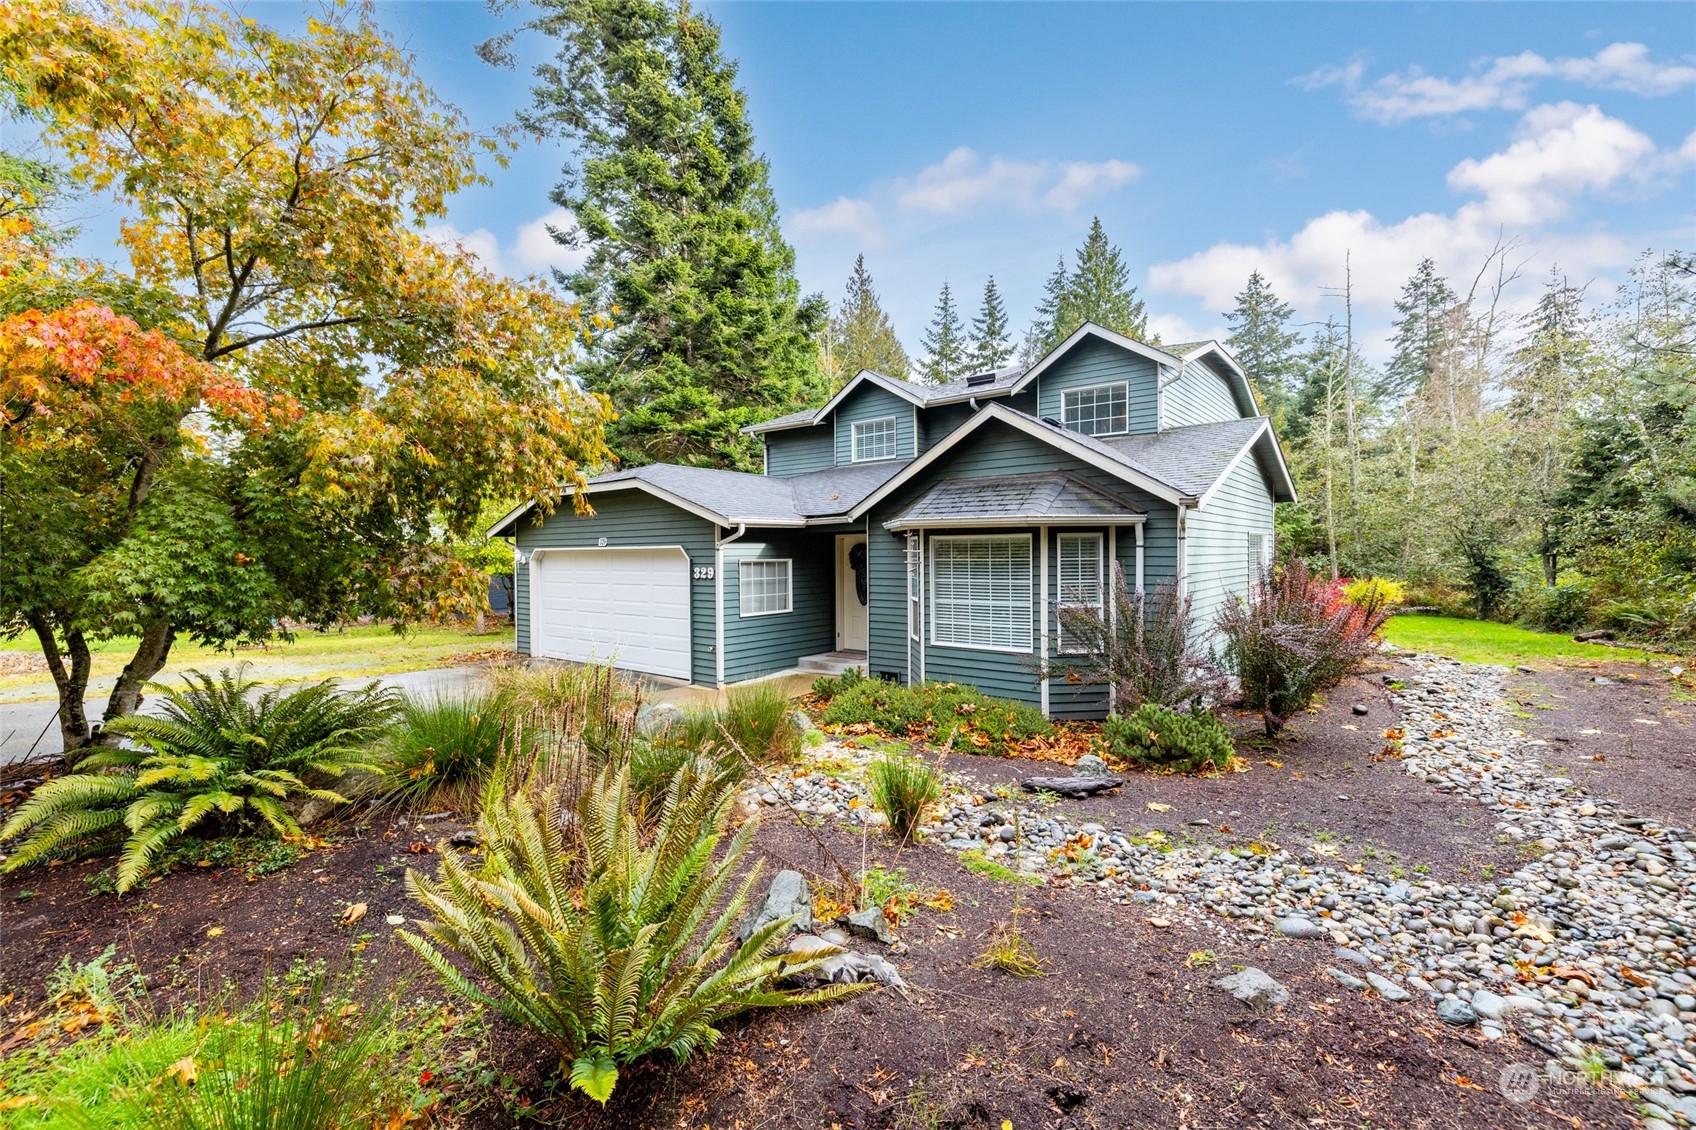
{"points": [[1198, 457], [731, 498], [1090, 331], [1223, 363], [1044, 498], [922, 396]]}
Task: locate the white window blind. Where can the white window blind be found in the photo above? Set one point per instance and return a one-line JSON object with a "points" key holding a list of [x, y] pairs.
{"points": [[1101, 410], [874, 439], [981, 592], [764, 585], [1080, 579]]}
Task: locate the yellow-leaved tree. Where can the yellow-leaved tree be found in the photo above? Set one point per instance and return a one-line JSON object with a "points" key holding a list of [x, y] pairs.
{"points": [[293, 401]]}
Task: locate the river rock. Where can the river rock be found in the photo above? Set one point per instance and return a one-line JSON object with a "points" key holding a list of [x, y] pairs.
{"points": [[1255, 988]]}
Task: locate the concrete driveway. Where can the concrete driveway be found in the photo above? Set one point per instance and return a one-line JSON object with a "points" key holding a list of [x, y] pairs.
{"points": [[32, 725]]}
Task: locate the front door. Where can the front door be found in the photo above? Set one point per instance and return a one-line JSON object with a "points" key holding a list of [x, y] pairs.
{"points": [[851, 592]]}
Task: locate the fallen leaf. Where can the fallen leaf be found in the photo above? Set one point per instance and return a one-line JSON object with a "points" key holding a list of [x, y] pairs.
{"points": [[184, 1070], [1156, 806], [215, 931], [1275, 764], [353, 914]]}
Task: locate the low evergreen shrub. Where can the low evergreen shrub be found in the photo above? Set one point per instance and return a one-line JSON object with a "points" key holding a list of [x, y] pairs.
{"points": [[932, 711], [1169, 740], [444, 747]]}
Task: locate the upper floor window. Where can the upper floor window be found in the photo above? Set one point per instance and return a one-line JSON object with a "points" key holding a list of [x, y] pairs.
{"points": [[1100, 410], [874, 439]]}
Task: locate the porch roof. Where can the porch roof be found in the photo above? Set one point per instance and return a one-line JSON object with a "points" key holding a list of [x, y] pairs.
{"points": [[1045, 498]]}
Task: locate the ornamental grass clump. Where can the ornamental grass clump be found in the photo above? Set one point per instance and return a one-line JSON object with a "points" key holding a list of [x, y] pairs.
{"points": [[1172, 741], [444, 747], [902, 787], [1293, 638], [219, 759], [609, 937]]}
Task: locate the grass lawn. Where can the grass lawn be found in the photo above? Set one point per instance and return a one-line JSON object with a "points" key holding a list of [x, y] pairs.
{"points": [[347, 653], [1480, 641]]}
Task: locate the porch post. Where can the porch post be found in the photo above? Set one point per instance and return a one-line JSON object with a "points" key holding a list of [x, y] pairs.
{"points": [[1042, 686]]}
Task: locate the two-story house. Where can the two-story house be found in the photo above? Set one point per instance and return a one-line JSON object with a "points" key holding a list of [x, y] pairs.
{"points": [[920, 531]]}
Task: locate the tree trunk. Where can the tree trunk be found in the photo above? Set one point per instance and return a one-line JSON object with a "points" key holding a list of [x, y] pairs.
{"points": [[149, 658], [71, 683]]}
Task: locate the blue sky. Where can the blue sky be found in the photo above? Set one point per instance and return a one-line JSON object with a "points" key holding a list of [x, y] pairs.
{"points": [[955, 141]]}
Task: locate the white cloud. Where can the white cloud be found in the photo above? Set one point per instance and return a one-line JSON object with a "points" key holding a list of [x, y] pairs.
{"points": [[964, 182], [1562, 153], [1171, 329], [1502, 83], [536, 250], [533, 250], [842, 216]]}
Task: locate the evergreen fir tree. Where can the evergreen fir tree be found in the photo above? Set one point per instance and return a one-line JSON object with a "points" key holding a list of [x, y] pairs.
{"points": [[990, 348], [709, 330], [1264, 345], [1421, 326], [1098, 289], [1041, 330], [945, 347], [860, 336]]}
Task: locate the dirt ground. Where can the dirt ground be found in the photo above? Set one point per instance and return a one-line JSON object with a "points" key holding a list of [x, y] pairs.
{"points": [[1632, 738], [1124, 1029]]}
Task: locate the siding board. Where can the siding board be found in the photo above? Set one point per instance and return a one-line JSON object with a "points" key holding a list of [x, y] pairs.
{"points": [[870, 402], [1217, 541], [1201, 396], [762, 645], [1098, 362], [795, 451]]}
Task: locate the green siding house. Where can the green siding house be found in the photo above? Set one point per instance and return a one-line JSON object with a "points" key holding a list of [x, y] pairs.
{"points": [[920, 531]]}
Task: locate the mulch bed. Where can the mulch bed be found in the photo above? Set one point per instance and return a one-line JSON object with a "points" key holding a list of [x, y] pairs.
{"points": [[1124, 1029]]}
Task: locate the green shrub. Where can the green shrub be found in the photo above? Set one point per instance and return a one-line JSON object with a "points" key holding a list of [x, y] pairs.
{"points": [[303, 1056], [1563, 608], [755, 718], [1165, 739], [609, 943], [826, 688], [443, 747], [583, 698], [934, 710], [1292, 638], [219, 759], [902, 786]]}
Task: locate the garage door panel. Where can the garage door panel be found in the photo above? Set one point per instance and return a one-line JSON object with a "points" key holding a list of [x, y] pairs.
{"points": [[627, 605]]}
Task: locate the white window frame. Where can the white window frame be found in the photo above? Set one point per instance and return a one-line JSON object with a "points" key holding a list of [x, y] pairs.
{"points": [[1061, 596], [854, 440], [1066, 407], [915, 587], [1259, 556], [788, 574], [941, 545]]}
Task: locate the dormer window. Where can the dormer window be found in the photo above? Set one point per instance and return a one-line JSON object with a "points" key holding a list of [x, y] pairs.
{"points": [[1098, 410], [874, 439]]}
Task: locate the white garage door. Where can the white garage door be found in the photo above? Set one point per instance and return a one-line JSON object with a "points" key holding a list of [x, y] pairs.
{"points": [[629, 606]]}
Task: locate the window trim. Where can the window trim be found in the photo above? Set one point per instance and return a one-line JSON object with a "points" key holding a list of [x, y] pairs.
{"points": [[1060, 601], [1068, 392], [788, 564], [1030, 646], [854, 455], [1263, 559], [915, 587]]}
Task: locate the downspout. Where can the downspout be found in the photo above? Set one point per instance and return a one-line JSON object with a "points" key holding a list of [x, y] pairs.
{"points": [[718, 596], [1183, 550]]}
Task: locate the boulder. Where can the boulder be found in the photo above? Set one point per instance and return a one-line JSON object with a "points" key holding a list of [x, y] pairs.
{"points": [[1255, 988], [869, 923], [787, 896], [1089, 765], [800, 723], [1071, 786], [657, 717]]}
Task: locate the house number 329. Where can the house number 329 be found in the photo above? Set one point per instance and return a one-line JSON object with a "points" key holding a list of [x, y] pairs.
{"points": [[703, 572]]}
